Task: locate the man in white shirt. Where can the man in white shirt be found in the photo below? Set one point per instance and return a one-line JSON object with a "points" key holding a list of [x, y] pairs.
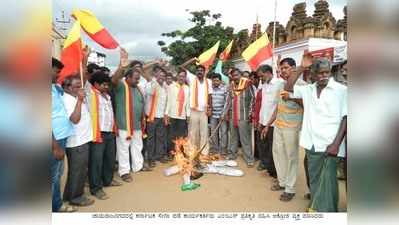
{"points": [[270, 89], [103, 147], [155, 106], [201, 107], [323, 130], [178, 108], [77, 146]]}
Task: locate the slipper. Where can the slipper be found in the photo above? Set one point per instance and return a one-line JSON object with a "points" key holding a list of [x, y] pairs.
{"points": [[101, 195], [127, 178], [115, 183], [307, 196], [286, 197], [277, 187], [85, 202], [146, 169], [67, 209]]}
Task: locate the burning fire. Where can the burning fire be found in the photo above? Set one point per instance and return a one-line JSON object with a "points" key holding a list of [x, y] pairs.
{"points": [[187, 157], [184, 155]]}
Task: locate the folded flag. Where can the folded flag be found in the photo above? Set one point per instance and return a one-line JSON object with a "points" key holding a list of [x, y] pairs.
{"points": [[258, 52], [206, 59], [94, 29], [226, 53], [71, 54]]}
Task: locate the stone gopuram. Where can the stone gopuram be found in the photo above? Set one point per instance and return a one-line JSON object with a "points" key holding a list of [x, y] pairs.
{"points": [[300, 26]]}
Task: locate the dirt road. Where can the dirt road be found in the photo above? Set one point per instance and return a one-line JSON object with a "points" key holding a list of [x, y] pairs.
{"points": [[153, 192]]}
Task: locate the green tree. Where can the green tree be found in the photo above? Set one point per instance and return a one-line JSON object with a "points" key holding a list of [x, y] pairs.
{"points": [[207, 30]]}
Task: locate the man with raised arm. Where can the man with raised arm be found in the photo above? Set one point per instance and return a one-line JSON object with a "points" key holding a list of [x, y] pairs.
{"points": [[323, 129], [201, 106], [129, 115]]}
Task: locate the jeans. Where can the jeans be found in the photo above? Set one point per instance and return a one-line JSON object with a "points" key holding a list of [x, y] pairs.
{"points": [[219, 140], [56, 170]]}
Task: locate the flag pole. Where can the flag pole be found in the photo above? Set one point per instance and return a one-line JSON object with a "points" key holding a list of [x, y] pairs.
{"points": [[274, 36], [81, 66], [81, 73]]}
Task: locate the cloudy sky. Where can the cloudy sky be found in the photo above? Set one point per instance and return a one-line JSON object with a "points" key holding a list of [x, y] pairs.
{"points": [[138, 24]]}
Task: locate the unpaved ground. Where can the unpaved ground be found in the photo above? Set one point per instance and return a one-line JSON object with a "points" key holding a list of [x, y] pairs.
{"points": [[153, 192]]}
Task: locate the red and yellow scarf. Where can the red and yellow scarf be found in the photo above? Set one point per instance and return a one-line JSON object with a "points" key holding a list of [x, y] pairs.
{"points": [[94, 114], [195, 95], [237, 90], [180, 99], [153, 105], [129, 110]]}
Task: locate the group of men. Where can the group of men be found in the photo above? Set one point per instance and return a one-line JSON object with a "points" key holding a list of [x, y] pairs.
{"points": [[133, 116]]}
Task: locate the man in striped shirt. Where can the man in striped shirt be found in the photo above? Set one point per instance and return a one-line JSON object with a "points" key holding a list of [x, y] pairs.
{"points": [[219, 95]]}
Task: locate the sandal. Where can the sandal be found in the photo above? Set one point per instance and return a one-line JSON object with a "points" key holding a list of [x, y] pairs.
{"points": [[67, 208], [307, 196], [286, 197], [146, 169], [127, 178], [115, 183], [277, 187], [84, 202]]}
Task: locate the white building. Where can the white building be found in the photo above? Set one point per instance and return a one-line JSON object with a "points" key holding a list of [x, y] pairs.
{"points": [[57, 42]]}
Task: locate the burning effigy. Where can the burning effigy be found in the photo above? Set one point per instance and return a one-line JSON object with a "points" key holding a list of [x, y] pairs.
{"points": [[191, 165]]}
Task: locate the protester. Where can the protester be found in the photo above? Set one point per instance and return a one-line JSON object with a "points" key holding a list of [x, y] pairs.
{"points": [[286, 135], [219, 99], [201, 107], [106, 70], [155, 106], [77, 145], [323, 130], [130, 119], [255, 81], [178, 109], [246, 74], [241, 98], [91, 67], [61, 129], [169, 79], [268, 94], [103, 147]]}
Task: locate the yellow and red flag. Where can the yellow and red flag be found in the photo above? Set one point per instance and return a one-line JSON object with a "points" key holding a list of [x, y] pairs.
{"points": [[206, 59], [94, 29], [71, 55], [258, 52], [226, 53]]}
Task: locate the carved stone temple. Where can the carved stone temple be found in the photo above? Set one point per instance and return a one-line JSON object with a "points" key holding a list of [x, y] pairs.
{"points": [[300, 26]]}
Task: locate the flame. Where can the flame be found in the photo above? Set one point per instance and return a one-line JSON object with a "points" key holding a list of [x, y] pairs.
{"points": [[187, 157], [184, 155]]}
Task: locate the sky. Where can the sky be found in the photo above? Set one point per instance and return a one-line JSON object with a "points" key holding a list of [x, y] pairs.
{"points": [[138, 24]]}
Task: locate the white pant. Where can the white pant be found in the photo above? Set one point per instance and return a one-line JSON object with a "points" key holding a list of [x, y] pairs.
{"points": [[198, 130], [286, 156], [122, 151]]}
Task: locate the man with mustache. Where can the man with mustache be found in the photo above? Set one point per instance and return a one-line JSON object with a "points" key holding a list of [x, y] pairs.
{"points": [[323, 130], [201, 106]]}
